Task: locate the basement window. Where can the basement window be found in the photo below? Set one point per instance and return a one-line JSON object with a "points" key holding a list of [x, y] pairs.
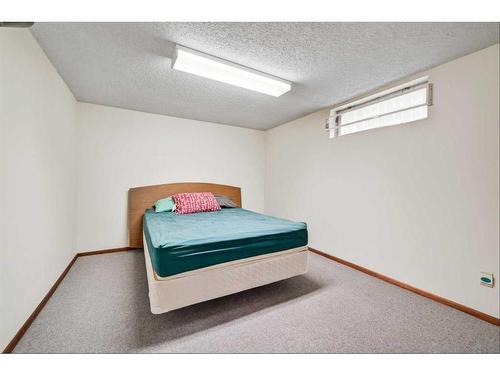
{"points": [[399, 105]]}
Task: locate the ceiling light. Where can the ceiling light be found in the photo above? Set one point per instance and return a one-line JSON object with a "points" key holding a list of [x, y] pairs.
{"points": [[191, 61]]}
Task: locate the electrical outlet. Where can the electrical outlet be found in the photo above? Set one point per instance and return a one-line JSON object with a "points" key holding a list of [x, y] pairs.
{"points": [[487, 279]]}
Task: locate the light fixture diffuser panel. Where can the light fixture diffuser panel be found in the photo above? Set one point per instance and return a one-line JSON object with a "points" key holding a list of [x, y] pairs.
{"points": [[194, 62]]}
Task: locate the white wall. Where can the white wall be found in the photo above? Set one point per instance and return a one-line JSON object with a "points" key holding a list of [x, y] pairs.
{"points": [[119, 149], [37, 193], [418, 202]]}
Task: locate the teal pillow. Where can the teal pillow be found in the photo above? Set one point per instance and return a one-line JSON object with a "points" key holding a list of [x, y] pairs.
{"points": [[165, 204]]}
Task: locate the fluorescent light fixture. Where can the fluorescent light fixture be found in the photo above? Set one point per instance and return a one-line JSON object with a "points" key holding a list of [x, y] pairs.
{"points": [[194, 62]]}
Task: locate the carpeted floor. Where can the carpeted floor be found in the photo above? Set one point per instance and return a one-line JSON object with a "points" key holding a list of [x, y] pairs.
{"points": [[102, 307]]}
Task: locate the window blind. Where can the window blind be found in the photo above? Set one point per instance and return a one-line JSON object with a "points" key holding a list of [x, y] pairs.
{"points": [[402, 105]]}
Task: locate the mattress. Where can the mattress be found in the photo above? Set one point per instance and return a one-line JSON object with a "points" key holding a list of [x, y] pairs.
{"points": [[195, 286], [181, 243]]}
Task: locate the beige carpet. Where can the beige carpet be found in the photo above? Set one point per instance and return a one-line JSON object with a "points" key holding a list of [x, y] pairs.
{"points": [[102, 307]]}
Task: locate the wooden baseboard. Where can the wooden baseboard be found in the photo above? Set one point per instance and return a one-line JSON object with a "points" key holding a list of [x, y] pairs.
{"points": [[107, 251], [12, 344], [444, 301]]}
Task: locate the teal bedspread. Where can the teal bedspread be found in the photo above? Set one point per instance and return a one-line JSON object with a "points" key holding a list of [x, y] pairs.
{"points": [[180, 243]]}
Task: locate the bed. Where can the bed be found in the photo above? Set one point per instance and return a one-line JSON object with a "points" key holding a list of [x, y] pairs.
{"points": [[197, 257]]}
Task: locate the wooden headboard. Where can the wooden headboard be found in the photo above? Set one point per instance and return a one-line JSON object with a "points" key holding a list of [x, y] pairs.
{"points": [[144, 197]]}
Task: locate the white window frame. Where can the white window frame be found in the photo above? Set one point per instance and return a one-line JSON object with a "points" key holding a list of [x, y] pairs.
{"points": [[333, 124]]}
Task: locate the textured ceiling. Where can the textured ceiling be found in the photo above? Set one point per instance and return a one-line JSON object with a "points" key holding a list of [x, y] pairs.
{"points": [[127, 65]]}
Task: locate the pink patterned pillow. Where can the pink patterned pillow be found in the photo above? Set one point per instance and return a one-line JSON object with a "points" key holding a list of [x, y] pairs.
{"points": [[188, 203]]}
